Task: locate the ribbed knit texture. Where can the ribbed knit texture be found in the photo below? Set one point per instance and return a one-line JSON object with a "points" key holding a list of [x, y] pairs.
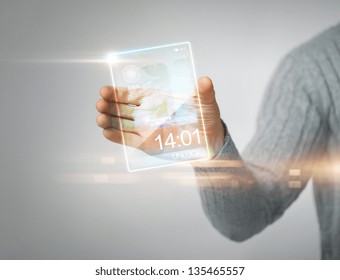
{"points": [[298, 130]]}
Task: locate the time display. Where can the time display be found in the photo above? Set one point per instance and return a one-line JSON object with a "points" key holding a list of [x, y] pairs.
{"points": [[185, 138]]}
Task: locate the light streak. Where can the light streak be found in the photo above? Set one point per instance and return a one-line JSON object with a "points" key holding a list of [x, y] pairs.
{"points": [[295, 184], [336, 168], [108, 160], [98, 178], [294, 172]]}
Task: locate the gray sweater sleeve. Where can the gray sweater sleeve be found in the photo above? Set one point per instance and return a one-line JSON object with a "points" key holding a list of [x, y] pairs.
{"points": [[242, 194]]}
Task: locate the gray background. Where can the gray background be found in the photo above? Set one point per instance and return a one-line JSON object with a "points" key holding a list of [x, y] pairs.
{"points": [[57, 198]]}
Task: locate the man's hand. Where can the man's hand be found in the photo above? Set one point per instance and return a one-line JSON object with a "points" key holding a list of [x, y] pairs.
{"points": [[120, 115]]}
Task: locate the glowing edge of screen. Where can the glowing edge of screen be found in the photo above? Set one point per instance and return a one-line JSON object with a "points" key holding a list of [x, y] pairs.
{"points": [[109, 61]]}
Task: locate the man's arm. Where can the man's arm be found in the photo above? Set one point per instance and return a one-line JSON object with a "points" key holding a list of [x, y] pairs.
{"points": [[241, 195]]}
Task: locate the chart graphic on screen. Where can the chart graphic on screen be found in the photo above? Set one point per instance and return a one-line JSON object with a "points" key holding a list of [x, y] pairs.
{"points": [[164, 123]]}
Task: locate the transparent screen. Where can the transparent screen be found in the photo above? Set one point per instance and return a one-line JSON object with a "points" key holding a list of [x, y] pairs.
{"points": [[157, 100]]}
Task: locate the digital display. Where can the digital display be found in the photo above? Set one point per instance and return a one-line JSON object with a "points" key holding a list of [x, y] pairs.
{"points": [[158, 87]]}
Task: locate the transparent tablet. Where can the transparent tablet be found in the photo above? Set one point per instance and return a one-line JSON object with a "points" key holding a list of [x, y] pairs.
{"points": [[158, 103]]}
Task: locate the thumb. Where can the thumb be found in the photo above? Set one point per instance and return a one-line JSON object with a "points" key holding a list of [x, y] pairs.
{"points": [[206, 90], [212, 122]]}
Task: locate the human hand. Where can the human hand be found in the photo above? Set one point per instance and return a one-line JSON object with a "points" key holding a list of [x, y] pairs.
{"points": [[123, 116]]}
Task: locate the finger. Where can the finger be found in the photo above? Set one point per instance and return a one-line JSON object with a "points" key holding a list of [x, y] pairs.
{"points": [[103, 106], [124, 95], [210, 111], [120, 137], [206, 91], [113, 135], [107, 121], [104, 121], [126, 111], [107, 93]]}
